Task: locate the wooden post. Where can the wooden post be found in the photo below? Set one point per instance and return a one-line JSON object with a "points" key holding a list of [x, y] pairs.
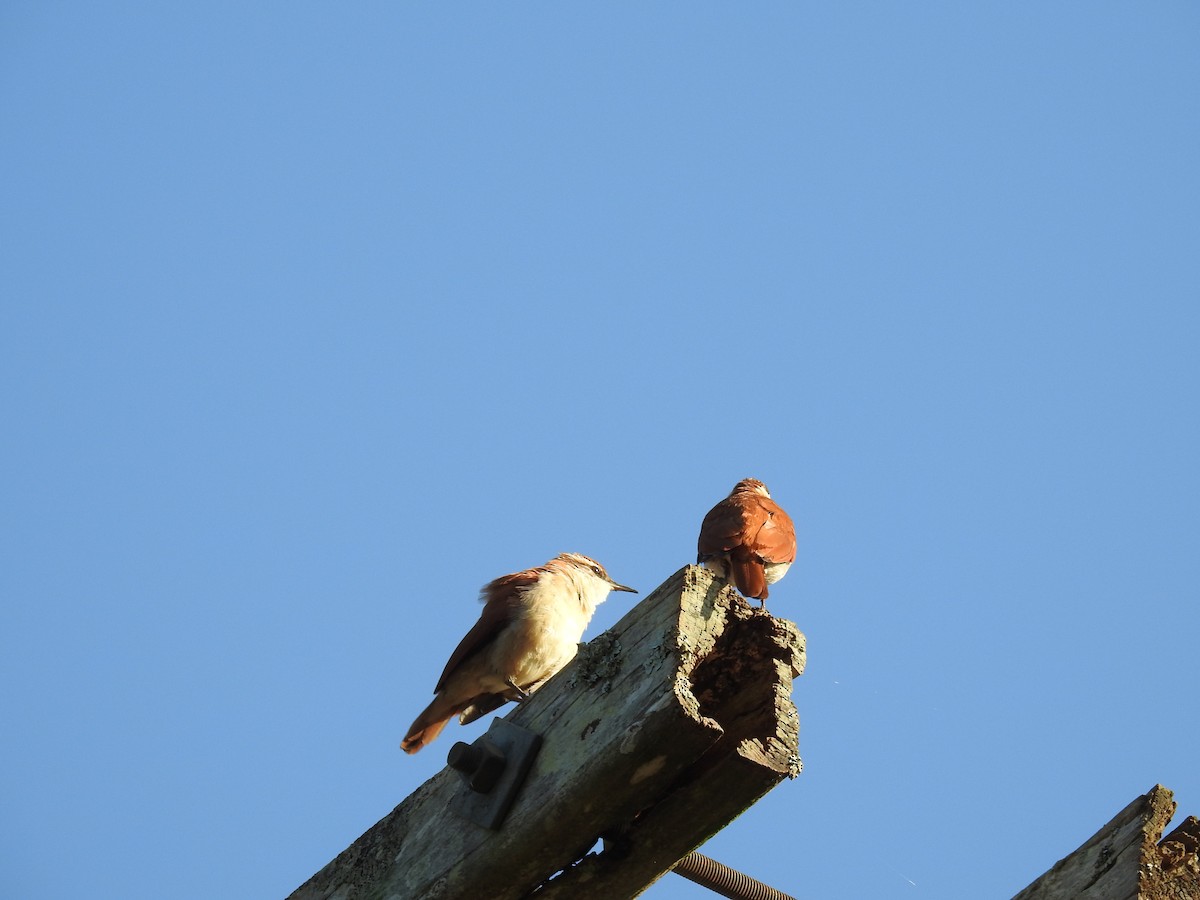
{"points": [[1128, 859], [660, 732]]}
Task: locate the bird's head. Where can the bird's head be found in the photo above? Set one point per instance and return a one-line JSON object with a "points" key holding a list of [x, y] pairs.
{"points": [[750, 486], [589, 568]]}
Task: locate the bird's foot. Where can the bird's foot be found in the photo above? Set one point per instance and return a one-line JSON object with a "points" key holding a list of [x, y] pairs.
{"points": [[521, 694]]}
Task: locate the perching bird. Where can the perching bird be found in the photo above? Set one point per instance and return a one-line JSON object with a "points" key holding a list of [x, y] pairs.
{"points": [[748, 539], [530, 628]]}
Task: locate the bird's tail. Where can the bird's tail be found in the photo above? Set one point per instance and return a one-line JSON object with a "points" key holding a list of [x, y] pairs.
{"points": [[747, 573], [429, 724]]}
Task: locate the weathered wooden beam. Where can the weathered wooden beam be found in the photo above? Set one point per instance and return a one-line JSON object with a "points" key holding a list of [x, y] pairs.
{"points": [[1128, 859], [661, 731]]}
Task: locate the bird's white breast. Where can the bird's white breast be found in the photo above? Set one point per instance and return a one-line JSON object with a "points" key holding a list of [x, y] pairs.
{"points": [[776, 570], [546, 633]]}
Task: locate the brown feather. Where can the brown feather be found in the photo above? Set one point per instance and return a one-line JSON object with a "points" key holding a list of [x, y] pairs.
{"points": [[774, 538], [721, 529], [428, 725], [437, 715], [747, 573], [501, 600], [484, 704], [749, 529]]}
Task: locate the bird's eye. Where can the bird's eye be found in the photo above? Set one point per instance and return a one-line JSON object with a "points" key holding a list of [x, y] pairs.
{"points": [[596, 569]]}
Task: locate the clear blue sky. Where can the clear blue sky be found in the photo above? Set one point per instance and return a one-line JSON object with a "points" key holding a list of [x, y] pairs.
{"points": [[317, 317]]}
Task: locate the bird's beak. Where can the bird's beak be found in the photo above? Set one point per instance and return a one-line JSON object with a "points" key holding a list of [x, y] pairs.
{"points": [[621, 587]]}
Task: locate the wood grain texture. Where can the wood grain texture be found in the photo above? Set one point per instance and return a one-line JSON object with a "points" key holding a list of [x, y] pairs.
{"points": [[1128, 859], [660, 732]]}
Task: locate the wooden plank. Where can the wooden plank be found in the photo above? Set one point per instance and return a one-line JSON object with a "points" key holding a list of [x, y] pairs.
{"points": [[660, 732], [1125, 860]]}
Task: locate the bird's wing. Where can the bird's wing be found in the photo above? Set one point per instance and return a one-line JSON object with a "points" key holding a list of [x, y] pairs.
{"points": [[723, 528], [501, 600], [771, 534]]}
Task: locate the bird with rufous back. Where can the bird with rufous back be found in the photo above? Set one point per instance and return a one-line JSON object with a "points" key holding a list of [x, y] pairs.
{"points": [[530, 628], [748, 539]]}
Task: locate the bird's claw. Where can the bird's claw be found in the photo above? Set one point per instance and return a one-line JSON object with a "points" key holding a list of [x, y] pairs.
{"points": [[522, 694]]}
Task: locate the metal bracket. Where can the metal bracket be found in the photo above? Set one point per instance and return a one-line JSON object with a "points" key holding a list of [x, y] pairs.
{"points": [[493, 768]]}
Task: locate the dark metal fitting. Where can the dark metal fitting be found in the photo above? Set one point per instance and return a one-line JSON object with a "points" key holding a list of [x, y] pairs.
{"points": [[481, 764], [494, 768]]}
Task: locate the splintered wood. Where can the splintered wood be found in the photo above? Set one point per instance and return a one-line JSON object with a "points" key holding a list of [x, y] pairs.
{"points": [[660, 732], [1129, 859]]}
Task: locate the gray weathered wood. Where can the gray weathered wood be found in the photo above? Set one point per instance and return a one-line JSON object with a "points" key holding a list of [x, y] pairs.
{"points": [[661, 731], [1125, 860]]}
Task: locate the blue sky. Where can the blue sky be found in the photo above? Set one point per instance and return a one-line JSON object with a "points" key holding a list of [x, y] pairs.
{"points": [[318, 318]]}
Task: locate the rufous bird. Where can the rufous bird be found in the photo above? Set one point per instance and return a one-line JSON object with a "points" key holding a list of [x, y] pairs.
{"points": [[529, 629], [748, 539]]}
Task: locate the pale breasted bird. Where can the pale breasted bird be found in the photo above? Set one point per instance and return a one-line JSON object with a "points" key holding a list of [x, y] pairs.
{"points": [[748, 539], [530, 628]]}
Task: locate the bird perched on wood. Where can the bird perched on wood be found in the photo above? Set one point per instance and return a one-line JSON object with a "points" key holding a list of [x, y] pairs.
{"points": [[748, 539], [530, 628]]}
